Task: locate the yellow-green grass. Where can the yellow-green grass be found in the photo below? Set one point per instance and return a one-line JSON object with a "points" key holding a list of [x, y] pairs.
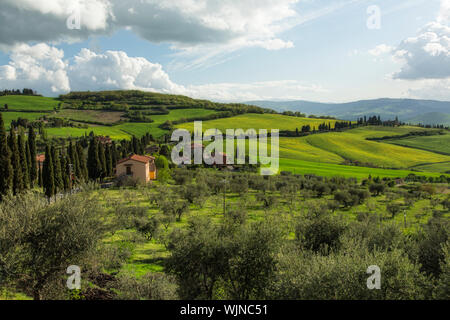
{"points": [[437, 143], [140, 129], [149, 256], [66, 132], [355, 147], [31, 103], [258, 121], [435, 167], [332, 170], [90, 115], [126, 130], [10, 116]]}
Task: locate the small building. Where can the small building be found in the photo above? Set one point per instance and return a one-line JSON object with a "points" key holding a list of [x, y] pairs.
{"points": [[139, 167], [40, 158]]}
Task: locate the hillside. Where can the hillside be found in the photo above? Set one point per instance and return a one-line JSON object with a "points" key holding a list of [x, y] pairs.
{"points": [[122, 114], [431, 118], [407, 110]]}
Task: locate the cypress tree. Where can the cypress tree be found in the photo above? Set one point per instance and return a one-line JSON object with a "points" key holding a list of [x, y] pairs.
{"points": [[65, 167], [48, 178], [59, 183], [40, 182], [6, 170], [17, 184], [102, 157], [82, 161], [108, 156], [33, 153], [21, 144], [114, 155], [93, 163]]}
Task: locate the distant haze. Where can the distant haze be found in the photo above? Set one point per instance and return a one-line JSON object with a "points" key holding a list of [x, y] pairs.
{"points": [[407, 110]]}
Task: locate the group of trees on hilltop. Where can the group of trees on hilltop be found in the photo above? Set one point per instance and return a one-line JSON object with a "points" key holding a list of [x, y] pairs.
{"points": [[130, 98], [323, 127], [376, 121], [17, 92], [18, 169]]}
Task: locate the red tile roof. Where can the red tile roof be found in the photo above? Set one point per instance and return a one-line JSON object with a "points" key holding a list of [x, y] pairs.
{"points": [[40, 158], [138, 158]]}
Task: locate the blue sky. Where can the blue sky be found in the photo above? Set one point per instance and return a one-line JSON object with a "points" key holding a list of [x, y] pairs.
{"points": [[315, 50]]}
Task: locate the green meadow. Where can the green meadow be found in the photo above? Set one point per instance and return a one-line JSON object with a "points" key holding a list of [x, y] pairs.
{"points": [[28, 103], [259, 121]]}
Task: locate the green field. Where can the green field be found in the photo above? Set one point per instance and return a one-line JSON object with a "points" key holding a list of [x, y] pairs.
{"points": [[313, 151], [330, 170], [139, 129], [126, 130], [10, 116], [106, 117], [28, 103], [438, 143], [259, 121]]}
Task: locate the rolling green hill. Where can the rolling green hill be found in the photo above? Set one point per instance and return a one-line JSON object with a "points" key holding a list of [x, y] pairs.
{"points": [[346, 153], [259, 121], [28, 103]]}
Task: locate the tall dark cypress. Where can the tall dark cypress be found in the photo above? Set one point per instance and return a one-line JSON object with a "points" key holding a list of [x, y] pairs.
{"points": [[17, 185], [83, 164], [59, 183], [65, 172], [114, 155], [93, 163], [40, 182], [102, 158], [108, 156], [6, 170], [48, 179], [21, 144], [32, 146]]}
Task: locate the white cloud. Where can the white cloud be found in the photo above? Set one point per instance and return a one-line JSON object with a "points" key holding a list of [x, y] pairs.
{"points": [[264, 90], [444, 12], [431, 89], [40, 67], [43, 68], [426, 56], [116, 70], [380, 50], [183, 24]]}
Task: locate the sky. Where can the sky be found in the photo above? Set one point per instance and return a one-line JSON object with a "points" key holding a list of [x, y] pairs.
{"points": [[230, 50]]}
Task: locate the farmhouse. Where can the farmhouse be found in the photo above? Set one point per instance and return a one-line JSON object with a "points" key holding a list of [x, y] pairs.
{"points": [[139, 167]]}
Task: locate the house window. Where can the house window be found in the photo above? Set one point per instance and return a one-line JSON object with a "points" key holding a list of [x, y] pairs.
{"points": [[129, 173]]}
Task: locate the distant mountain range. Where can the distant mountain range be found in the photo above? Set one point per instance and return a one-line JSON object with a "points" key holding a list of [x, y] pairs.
{"points": [[407, 110]]}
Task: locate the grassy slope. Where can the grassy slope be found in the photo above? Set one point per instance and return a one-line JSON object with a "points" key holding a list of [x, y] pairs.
{"points": [[126, 130], [438, 143], [32, 103], [148, 256], [9, 116], [90, 115], [258, 121], [313, 153]]}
